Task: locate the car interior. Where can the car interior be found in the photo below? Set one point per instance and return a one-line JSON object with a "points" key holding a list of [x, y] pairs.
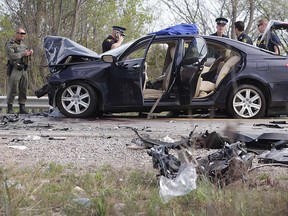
{"points": [[161, 83], [224, 61], [158, 68]]}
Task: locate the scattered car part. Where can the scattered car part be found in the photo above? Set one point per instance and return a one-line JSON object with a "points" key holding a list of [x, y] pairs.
{"points": [[227, 164], [274, 156], [156, 142], [268, 125], [167, 164]]}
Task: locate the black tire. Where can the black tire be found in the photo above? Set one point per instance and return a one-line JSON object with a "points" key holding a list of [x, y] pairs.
{"points": [[77, 100], [247, 102]]}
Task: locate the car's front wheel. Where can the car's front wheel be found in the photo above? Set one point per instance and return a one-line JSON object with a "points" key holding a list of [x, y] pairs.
{"points": [[247, 101], [77, 100]]}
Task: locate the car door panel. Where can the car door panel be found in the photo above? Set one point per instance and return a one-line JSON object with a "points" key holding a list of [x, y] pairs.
{"points": [[125, 83], [125, 80]]}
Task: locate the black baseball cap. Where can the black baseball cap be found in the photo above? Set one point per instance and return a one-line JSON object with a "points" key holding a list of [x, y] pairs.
{"points": [[120, 29], [221, 20]]}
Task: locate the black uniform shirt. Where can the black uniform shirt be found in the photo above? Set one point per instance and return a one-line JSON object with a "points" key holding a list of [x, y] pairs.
{"points": [[107, 43], [223, 35], [274, 41], [245, 38]]}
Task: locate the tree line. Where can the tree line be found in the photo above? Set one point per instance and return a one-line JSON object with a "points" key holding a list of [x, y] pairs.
{"points": [[88, 22], [204, 13]]}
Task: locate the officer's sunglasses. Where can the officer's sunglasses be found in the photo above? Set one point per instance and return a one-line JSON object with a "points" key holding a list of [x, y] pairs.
{"points": [[22, 33], [260, 24]]}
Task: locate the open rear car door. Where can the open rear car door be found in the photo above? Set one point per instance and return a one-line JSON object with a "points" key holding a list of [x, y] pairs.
{"points": [[190, 69]]}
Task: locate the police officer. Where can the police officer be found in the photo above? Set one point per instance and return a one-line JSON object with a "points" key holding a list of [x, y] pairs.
{"points": [[221, 27], [115, 39], [17, 54], [273, 43], [241, 35]]}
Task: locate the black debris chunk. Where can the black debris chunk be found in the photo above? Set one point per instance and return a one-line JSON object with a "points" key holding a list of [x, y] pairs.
{"points": [[210, 140], [268, 125], [274, 156], [227, 165], [27, 121], [167, 164], [278, 122]]}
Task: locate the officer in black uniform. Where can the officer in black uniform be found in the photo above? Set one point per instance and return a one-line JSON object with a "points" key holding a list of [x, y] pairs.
{"points": [[221, 27], [115, 39], [241, 35], [273, 43]]}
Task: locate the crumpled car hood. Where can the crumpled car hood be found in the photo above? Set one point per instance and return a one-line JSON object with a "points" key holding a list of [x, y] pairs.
{"points": [[59, 48]]}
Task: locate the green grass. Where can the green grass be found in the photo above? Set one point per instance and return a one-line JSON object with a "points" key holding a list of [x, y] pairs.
{"points": [[51, 189]]}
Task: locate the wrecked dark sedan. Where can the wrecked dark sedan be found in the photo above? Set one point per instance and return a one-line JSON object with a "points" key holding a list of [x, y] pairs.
{"points": [[153, 72], [180, 73]]}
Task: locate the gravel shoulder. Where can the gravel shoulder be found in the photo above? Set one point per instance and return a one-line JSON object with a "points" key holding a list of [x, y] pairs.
{"points": [[90, 143]]}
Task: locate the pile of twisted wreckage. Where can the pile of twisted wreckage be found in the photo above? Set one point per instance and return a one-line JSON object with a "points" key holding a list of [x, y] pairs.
{"points": [[231, 160]]}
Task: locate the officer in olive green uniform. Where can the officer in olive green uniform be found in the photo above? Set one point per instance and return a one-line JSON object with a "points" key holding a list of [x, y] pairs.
{"points": [[17, 54]]}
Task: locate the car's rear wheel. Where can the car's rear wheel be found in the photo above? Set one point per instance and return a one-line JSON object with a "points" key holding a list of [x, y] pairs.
{"points": [[247, 101], [77, 100]]}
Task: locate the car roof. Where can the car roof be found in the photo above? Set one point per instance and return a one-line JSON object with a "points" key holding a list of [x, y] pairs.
{"points": [[275, 24], [244, 47], [247, 48], [178, 36]]}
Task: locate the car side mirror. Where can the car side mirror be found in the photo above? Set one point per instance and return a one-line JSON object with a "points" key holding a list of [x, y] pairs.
{"points": [[108, 58]]}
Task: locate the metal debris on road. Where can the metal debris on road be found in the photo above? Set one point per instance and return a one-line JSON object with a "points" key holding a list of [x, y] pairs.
{"points": [[57, 138]]}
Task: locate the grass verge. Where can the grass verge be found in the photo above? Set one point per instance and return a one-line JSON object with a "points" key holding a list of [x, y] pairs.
{"points": [[51, 189]]}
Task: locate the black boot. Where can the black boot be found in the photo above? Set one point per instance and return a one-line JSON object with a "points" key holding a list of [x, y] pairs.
{"points": [[22, 109], [10, 109]]}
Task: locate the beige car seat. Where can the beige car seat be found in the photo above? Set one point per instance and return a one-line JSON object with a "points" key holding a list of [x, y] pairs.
{"points": [[145, 75], [198, 85], [208, 86], [165, 85], [155, 93]]}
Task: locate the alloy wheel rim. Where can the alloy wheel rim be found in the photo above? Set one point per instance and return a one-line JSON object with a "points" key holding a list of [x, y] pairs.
{"points": [[75, 99], [247, 103]]}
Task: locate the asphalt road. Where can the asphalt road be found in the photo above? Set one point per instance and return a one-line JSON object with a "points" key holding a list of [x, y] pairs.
{"points": [[88, 143], [174, 125]]}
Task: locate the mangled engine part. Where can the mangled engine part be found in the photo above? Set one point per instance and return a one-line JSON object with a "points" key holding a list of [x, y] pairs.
{"points": [[177, 177], [223, 167], [227, 164], [210, 140], [167, 164]]}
